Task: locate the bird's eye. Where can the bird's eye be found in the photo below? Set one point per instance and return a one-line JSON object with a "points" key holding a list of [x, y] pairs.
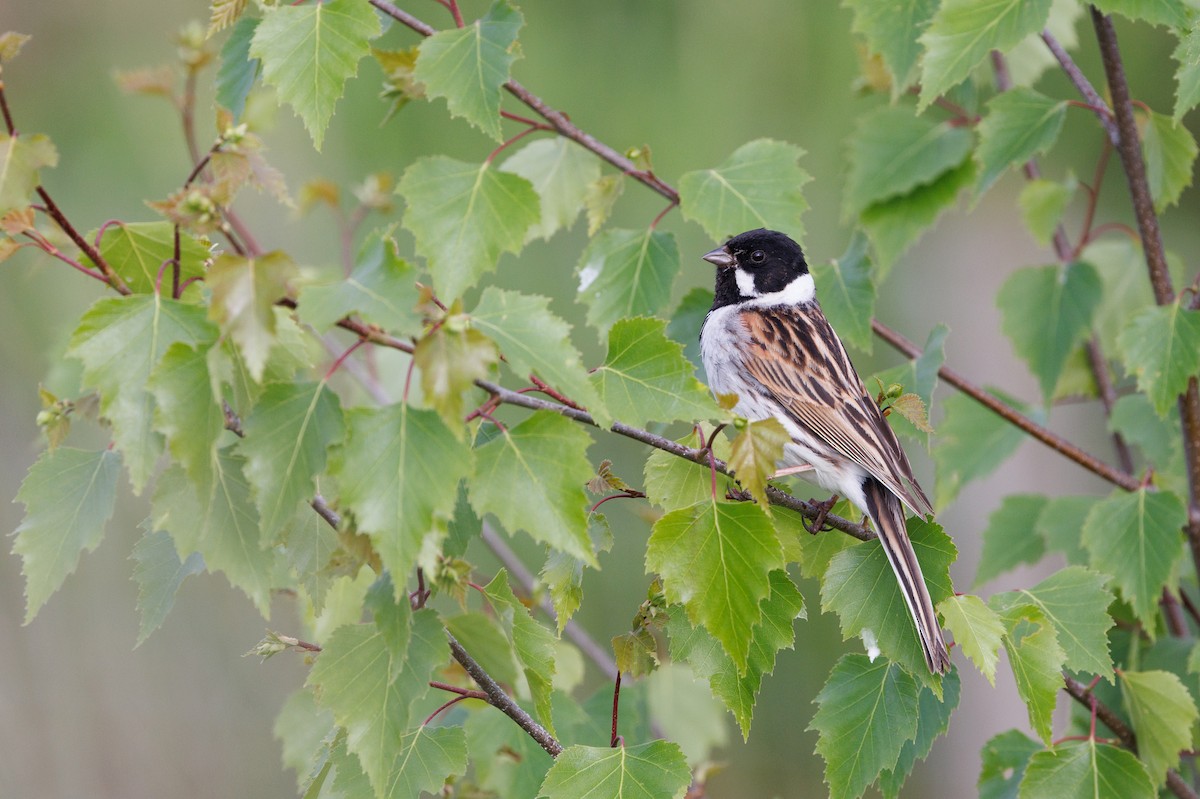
{"points": [[758, 256]]}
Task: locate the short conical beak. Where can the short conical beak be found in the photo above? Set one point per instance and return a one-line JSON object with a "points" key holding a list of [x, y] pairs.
{"points": [[719, 257]]}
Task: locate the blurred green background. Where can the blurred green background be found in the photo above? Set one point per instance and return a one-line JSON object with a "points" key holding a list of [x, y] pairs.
{"points": [[83, 714]]}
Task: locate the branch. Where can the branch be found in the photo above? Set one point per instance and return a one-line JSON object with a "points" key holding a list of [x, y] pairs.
{"points": [[1012, 415], [1129, 148], [774, 495], [1081, 694], [502, 701]]}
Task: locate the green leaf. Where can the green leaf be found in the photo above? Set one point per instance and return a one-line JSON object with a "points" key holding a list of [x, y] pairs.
{"points": [[381, 289], [244, 293], [1009, 539], [625, 273], [302, 729], [137, 251], [21, 157], [1047, 311], [215, 517], [964, 32], [654, 770], [685, 323], [894, 225], [645, 377], [236, 74], [1037, 662], [309, 51], [531, 478], [687, 711], [469, 65], [865, 714], [1042, 204], [933, 720], [976, 629], [187, 407], [715, 559], [563, 574], [1061, 525], [286, 438], [860, 586], [1161, 345], [425, 759], [891, 30], [1163, 713], [847, 293], [69, 496], [918, 376], [1005, 758], [1171, 13], [601, 198], [451, 358], [1136, 537], [893, 152], [1187, 53], [159, 573], [972, 442], [673, 482], [1076, 602], [120, 340], [1085, 770], [535, 340], [560, 171], [371, 689], [1020, 124], [464, 216], [1030, 58], [738, 689], [504, 759], [755, 452], [1170, 152], [482, 637], [532, 643], [758, 186], [399, 472]]}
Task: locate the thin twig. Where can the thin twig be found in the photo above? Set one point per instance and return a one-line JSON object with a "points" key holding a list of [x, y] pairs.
{"points": [[1082, 85], [498, 699]]}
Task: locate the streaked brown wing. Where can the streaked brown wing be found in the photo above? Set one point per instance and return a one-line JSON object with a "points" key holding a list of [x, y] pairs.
{"points": [[801, 364]]}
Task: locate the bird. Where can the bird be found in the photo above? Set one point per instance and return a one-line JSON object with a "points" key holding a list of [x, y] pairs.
{"points": [[766, 341]]}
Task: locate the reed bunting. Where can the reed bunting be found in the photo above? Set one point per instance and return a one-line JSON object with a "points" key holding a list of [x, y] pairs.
{"points": [[766, 341]]}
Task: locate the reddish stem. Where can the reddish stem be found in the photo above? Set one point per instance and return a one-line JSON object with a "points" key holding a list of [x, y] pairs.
{"points": [[513, 140], [663, 213], [616, 739], [631, 494], [342, 358]]}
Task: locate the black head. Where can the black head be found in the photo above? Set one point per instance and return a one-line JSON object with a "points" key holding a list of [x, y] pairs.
{"points": [[755, 264]]}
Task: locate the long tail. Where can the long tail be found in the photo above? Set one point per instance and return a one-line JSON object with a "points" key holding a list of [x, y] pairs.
{"points": [[886, 510]]}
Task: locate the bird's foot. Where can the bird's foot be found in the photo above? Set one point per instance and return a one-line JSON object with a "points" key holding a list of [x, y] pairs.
{"points": [[817, 525]]}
